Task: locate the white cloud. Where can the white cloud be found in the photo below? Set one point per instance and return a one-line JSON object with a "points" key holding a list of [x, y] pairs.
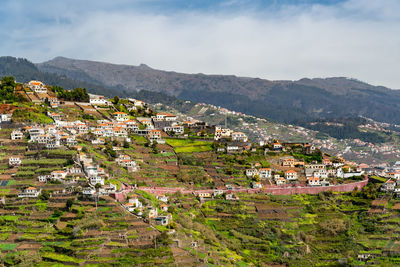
{"points": [[357, 38]]}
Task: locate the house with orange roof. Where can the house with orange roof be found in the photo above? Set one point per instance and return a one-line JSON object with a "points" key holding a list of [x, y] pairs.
{"points": [[54, 116], [98, 132], [154, 135], [29, 192], [327, 162], [221, 132], [265, 173], [164, 207], [120, 116], [176, 129], [256, 185], [52, 101], [59, 175], [280, 180], [291, 175], [277, 146], [119, 132], [132, 125], [37, 87], [165, 116], [287, 162], [313, 181]]}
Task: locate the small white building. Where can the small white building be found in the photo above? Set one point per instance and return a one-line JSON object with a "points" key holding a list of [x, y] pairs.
{"points": [[291, 175], [120, 116], [88, 191], [162, 198], [14, 161], [43, 178], [58, 175], [265, 173], [37, 87], [98, 100], [280, 180], [239, 136], [313, 181], [5, 117], [256, 185], [17, 135], [93, 180], [29, 192]]}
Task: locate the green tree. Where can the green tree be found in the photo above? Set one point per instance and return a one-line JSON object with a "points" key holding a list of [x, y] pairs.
{"points": [[45, 195]]}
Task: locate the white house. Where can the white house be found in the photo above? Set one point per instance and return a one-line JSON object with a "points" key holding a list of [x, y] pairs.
{"points": [[98, 100], [58, 175], [265, 173], [52, 101], [280, 180], [43, 178], [30, 192], [388, 186], [291, 175], [313, 181], [5, 117], [133, 203], [177, 129], [256, 185], [239, 136], [98, 141], [120, 116], [394, 175], [37, 86], [221, 132], [154, 135], [14, 161], [17, 135], [162, 198], [251, 172], [165, 116], [88, 191], [96, 180]]}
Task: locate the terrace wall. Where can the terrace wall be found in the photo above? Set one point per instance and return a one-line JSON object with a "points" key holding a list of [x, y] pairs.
{"points": [[274, 190]]}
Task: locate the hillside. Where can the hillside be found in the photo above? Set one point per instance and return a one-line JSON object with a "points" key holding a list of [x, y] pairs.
{"points": [[115, 182], [24, 71], [283, 101]]}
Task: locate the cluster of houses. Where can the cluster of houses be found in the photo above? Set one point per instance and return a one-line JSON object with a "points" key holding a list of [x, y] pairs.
{"points": [[126, 162], [316, 174], [226, 133], [50, 136], [159, 215]]}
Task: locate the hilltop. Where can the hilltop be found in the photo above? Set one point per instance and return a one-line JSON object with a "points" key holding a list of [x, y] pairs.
{"points": [[282, 101]]}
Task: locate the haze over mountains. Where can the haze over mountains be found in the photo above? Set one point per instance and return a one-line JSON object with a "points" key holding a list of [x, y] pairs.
{"points": [[283, 101]]}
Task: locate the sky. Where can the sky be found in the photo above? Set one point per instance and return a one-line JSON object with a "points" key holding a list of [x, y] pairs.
{"points": [[271, 39]]}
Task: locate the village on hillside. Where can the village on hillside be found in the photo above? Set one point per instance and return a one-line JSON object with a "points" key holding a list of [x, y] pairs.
{"points": [[128, 160]]}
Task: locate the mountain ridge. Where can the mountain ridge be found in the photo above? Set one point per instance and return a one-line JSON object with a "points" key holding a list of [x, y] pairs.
{"points": [[283, 101]]}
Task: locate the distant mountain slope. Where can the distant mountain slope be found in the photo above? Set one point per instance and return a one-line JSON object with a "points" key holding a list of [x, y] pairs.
{"points": [[284, 101], [24, 71]]}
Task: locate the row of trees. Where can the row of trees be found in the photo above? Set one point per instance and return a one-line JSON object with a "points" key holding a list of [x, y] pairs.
{"points": [[78, 94], [7, 86]]}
